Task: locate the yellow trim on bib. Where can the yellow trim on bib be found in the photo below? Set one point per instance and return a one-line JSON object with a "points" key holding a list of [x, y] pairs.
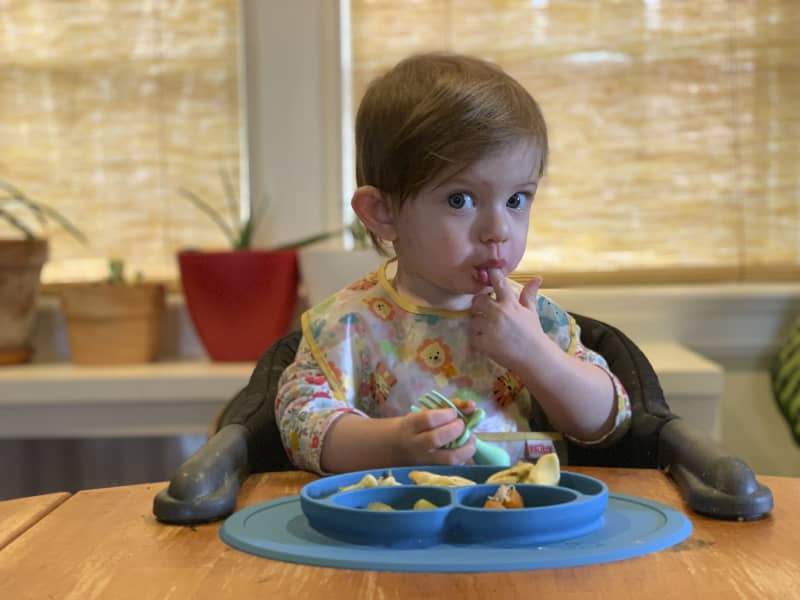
{"points": [[333, 382], [573, 334], [384, 282]]}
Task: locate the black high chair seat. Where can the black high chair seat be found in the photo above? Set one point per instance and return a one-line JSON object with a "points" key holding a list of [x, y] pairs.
{"points": [[247, 440]]}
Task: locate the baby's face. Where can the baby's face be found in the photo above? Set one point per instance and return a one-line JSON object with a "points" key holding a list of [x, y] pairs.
{"points": [[452, 232]]}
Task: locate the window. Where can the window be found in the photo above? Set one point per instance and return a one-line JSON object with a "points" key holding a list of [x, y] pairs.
{"points": [[106, 109], [673, 126]]}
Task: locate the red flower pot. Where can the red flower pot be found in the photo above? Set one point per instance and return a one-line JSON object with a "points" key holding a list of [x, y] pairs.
{"points": [[240, 302]]}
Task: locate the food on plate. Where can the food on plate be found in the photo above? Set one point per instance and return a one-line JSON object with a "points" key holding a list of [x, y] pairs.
{"points": [[428, 478], [506, 496], [370, 481], [546, 471], [423, 504]]}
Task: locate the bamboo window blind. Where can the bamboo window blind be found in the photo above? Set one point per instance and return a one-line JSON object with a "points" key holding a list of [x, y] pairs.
{"points": [[106, 109], [674, 126]]}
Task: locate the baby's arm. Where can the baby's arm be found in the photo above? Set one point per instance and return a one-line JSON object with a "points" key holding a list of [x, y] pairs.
{"points": [[580, 397], [355, 443], [326, 435]]}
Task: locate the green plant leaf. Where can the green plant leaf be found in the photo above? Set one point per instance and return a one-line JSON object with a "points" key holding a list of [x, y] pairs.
{"points": [[17, 195], [307, 241], [212, 213], [17, 224], [41, 212], [245, 236], [360, 234], [116, 271], [230, 195], [65, 223]]}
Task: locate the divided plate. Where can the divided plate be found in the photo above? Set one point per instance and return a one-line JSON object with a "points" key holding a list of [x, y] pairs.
{"points": [[575, 507]]}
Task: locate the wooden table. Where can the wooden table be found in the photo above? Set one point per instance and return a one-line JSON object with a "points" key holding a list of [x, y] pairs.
{"points": [[20, 514], [106, 543]]}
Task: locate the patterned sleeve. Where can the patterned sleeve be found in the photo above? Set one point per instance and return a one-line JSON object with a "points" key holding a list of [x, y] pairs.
{"points": [[562, 328], [305, 409]]}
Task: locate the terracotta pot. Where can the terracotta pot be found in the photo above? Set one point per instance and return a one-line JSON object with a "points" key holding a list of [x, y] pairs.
{"points": [[113, 324], [21, 264], [240, 302]]}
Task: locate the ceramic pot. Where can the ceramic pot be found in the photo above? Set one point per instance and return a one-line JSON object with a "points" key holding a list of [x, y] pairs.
{"points": [[240, 302], [21, 264], [112, 324]]}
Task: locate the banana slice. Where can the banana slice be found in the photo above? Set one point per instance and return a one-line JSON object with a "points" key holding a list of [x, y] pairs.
{"points": [[428, 478], [370, 481], [546, 471], [519, 473]]}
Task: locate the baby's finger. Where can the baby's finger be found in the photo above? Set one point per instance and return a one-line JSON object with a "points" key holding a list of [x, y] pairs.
{"points": [[480, 304], [442, 435], [455, 456], [428, 420], [528, 295], [499, 284]]}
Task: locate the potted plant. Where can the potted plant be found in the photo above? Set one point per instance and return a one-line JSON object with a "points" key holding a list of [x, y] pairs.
{"points": [[22, 256], [240, 299], [116, 321]]}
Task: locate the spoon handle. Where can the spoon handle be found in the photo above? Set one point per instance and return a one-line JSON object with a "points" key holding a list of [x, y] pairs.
{"points": [[489, 454]]}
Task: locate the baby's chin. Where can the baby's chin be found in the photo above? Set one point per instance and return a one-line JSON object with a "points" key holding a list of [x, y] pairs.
{"points": [[460, 300]]}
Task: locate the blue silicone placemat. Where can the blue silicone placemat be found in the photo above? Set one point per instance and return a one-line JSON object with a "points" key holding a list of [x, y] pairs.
{"points": [[279, 530]]}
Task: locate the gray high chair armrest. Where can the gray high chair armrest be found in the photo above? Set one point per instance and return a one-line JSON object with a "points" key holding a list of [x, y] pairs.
{"points": [[712, 481], [205, 487], [246, 441]]}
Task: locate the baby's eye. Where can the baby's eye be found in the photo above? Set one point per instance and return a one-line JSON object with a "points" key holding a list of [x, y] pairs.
{"points": [[460, 200], [518, 200]]}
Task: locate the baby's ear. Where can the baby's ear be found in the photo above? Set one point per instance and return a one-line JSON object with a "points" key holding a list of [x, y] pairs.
{"points": [[374, 209]]}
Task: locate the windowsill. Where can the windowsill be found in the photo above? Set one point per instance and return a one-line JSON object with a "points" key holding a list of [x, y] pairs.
{"points": [[69, 401]]}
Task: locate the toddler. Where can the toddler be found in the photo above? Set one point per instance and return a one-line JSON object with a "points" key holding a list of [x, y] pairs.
{"points": [[449, 153]]}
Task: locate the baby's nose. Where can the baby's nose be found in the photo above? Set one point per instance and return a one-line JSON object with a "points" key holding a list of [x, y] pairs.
{"points": [[494, 229]]}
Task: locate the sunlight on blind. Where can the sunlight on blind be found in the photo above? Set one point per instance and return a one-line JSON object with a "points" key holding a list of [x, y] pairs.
{"points": [[106, 109], [674, 125]]}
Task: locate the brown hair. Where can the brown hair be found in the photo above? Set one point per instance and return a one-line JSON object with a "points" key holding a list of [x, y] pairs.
{"points": [[435, 114]]}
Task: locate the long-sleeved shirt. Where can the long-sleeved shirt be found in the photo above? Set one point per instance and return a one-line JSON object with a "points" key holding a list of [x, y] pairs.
{"points": [[367, 350]]}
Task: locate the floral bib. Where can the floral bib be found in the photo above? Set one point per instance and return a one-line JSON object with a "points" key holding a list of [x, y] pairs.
{"points": [[381, 353]]}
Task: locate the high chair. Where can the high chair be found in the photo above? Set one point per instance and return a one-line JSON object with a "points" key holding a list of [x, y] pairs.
{"points": [[712, 481]]}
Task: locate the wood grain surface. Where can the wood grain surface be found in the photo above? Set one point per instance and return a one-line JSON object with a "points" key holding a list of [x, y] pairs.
{"points": [[19, 514], [106, 543]]}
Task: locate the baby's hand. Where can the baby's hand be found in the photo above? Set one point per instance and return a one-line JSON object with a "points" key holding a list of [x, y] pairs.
{"points": [[422, 434], [505, 327]]}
